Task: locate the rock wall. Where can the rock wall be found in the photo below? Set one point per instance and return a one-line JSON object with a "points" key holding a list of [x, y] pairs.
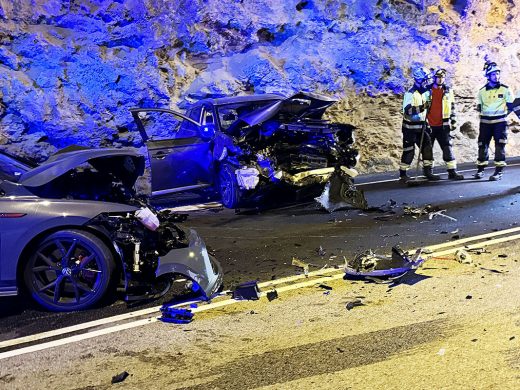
{"points": [[70, 69]]}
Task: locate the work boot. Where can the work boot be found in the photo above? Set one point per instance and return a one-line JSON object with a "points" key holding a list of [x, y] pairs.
{"points": [[479, 174], [454, 175], [403, 177], [497, 175], [427, 171]]}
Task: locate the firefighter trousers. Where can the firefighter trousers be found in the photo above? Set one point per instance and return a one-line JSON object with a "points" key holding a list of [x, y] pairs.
{"points": [[497, 131], [412, 138]]}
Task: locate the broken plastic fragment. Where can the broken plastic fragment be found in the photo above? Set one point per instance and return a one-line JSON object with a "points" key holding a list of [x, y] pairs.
{"points": [[440, 213], [247, 291], [340, 192], [120, 377], [463, 257], [352, 304], [272, 295], [175, 316], [298, 263], [383, 269]]}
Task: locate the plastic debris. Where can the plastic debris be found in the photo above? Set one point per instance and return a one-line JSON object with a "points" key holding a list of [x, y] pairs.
{"points": [[120, 377], [418, 211], [247, 291], [175, 315], [340, 192], [352, 304], [321, 251], [382, 269], [272, 295], [303, 265], [324, 286], [440, 213], [463, 257]]}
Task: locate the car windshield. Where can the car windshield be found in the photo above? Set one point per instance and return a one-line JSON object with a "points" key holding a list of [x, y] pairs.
{"points": [[10, 168], [229, 113]]}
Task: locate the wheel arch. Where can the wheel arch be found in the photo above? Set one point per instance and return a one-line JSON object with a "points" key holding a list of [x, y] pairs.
{"points": [[24, 255]]}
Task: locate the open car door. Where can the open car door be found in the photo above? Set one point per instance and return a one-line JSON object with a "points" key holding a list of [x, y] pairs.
{"points": [[178, 147]]}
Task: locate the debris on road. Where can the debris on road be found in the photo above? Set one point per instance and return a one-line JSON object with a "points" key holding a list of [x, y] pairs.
{"points": [[301, 264], [468, 297], [247, 291], [324, 286], [382, 269], [440, 213], [120, 377], [321, 251], [502, 255], [175, 315], [352, 304], [463, 257], [272, 295], [340, 192], [418, 211]]}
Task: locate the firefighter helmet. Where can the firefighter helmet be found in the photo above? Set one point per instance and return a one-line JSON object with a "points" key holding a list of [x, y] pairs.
{"points": [[490, 67]]}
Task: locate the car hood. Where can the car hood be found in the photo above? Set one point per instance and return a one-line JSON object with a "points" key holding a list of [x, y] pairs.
{"points": [[301, 105], [125, 163]]}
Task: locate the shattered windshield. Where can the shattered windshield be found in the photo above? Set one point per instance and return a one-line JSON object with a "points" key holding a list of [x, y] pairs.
{"points": [[11, 169], [229, 113]]}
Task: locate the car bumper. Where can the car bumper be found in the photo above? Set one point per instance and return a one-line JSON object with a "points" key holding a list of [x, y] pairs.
{"points": [[195, 263]]}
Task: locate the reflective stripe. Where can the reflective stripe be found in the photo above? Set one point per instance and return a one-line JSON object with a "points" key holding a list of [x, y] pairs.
{"points": [[491, 121], [404, 166], [482, 163], [502, 141], [409, 148], [451, 164], [428, 163], [415, 126], [500, 163]]}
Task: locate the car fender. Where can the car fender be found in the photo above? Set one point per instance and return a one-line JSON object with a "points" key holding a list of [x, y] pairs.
{"points": [[194, 263]]}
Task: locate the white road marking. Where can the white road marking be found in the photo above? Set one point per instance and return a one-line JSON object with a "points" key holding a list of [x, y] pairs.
{"points": [[335, 273]]}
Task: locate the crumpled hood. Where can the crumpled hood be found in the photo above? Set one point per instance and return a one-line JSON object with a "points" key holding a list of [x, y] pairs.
{"points": [[301, 105], [125, 163]]}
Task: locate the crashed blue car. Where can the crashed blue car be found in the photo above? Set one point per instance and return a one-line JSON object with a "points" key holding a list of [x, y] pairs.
{"points": [[245, 146]]}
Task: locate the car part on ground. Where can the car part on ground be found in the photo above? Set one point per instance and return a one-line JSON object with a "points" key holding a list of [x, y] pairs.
{"points": [[74, 226], [247, 146], [383, 269]]}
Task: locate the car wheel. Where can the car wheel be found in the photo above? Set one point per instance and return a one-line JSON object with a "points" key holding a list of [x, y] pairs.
{"points": [[69, 270], [228, 187]]}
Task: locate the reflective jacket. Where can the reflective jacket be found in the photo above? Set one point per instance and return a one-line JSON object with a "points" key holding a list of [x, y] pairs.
{"points": [[414, 108], [448, 106], [494, 103]]}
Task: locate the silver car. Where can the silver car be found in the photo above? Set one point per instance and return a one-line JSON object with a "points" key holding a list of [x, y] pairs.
{"points": [[73, 229]]}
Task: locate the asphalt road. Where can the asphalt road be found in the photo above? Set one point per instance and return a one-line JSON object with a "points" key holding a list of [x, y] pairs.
{"points": [[260, 245]]}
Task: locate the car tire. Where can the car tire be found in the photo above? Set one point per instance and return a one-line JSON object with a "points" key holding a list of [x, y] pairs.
{"points": [[228, 187], [69, 270]]}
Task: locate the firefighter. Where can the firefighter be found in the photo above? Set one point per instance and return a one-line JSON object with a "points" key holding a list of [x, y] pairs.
{"points": [[415, 107], [495, 102], [441, 119]]}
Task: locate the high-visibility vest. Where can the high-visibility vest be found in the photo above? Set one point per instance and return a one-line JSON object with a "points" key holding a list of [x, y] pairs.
{"points": [[494, 103]]}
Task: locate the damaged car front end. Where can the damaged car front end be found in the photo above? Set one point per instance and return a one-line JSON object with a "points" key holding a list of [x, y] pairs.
{"points": [[73, 228], [254, 144]]}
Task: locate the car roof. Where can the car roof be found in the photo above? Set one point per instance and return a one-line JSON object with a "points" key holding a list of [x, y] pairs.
{"points": [[239, 99]]}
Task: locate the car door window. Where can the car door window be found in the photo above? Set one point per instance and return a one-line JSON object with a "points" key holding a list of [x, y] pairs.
{"points": [[161, 125]]}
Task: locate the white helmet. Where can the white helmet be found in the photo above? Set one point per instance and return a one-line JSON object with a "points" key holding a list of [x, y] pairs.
{"points": [[490, 67]]}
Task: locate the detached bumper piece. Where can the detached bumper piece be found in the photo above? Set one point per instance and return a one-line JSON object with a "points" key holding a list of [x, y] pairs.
{"points": [[382, 269], [247, 291], [176, 316]]}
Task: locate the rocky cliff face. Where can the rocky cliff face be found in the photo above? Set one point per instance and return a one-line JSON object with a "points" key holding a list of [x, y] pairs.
{"points": [[70, 69]]}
